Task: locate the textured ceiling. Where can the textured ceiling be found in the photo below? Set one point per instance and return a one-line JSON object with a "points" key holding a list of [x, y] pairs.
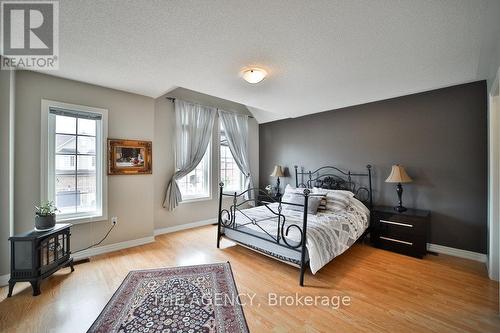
{"points": [[320, 55]]}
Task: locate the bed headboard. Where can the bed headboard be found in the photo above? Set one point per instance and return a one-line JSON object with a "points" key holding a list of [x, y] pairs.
{"points": [[333, 178]]}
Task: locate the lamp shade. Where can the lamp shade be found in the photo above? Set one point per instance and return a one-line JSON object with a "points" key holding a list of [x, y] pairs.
{"points": [[278, 171], [398, 175]]}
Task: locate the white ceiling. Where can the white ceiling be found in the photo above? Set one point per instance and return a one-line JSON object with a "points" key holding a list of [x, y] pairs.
{"points": [[320, 55]]}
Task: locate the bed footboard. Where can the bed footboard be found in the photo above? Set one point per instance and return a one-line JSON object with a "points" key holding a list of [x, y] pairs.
{"points": [[227, 219]]}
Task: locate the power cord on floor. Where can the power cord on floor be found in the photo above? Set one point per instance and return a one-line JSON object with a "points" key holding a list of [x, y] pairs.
{"points": [[98, 243]]}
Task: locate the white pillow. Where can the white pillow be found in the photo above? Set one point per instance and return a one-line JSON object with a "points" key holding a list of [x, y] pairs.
{"points": [[312, 207], [326, 191], [296, 196], [290, 189]]}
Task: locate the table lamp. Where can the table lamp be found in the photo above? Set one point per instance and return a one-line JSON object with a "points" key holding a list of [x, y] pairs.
{"points": [[278, 172], [398, 175]]}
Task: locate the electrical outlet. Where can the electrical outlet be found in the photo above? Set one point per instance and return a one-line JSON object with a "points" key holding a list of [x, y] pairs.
{"points": [[114, 220]]}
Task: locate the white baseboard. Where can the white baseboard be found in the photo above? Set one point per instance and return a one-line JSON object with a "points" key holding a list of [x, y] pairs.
{"points": [[483, 258], [4, 280], [113, 247], [175, 228]]}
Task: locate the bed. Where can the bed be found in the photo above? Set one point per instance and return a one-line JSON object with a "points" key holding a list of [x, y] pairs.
{"points": [[290, 229]]}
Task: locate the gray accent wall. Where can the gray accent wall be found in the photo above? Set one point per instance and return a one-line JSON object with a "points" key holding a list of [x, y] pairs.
{"points": [[440, 136]]}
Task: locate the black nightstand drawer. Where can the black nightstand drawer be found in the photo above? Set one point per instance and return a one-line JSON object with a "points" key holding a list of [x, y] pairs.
{"points": [[396, 245], [397, 231], [404, 233]]}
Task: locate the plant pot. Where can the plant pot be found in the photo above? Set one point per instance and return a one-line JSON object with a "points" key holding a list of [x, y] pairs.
{"points": [[45, 222]]}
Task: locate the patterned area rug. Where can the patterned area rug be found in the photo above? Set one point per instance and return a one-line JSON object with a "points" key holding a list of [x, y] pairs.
{"points": [[199, 298]]}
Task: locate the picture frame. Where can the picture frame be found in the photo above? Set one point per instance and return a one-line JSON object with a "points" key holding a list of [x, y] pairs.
{"points": [[129, 157]]}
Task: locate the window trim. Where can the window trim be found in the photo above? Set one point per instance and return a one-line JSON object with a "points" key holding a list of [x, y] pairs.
{"points": [[227, 191], [190, 199], [46, 161]]}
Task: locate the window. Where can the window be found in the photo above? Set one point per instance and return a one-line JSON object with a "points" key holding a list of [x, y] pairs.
{"points": [[230, 174], [196, 184], [73, 154]]}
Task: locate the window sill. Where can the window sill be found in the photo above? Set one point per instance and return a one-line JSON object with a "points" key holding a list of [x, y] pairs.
{"points": [[238, 192], [193, 200], [82, 219]]}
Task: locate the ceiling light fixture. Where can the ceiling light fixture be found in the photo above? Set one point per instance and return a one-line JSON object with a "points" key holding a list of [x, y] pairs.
{"points": [[254, 75]]}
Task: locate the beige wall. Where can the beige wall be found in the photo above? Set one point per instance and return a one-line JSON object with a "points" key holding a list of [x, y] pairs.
{"points": [[130, 116], [6, 166], [163, 161], [136, 200]]}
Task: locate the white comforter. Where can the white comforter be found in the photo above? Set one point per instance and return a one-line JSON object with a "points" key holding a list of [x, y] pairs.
{"points": [[329, 233]]}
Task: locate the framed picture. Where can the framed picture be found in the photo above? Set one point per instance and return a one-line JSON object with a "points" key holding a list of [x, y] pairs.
{"points": [[129, 157]]}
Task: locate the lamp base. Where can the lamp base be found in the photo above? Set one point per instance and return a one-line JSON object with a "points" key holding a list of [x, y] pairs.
{"points": [[400, 209], [278, 194]]}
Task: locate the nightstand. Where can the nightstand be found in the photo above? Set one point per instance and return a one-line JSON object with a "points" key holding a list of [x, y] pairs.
{"points": [[265, 199], [404, 232]]}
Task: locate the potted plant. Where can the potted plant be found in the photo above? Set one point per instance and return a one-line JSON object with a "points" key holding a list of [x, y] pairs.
{"points": [[45, 218]]}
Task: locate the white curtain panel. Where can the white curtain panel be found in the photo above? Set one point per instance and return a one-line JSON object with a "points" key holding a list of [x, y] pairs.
{"points": [[236, 130], [193, 130]]}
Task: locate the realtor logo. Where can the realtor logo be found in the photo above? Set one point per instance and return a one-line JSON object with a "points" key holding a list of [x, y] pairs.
{"points": [[30, 35]]}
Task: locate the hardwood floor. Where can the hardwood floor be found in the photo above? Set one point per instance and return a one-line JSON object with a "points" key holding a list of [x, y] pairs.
{"points": [[388, 292]]}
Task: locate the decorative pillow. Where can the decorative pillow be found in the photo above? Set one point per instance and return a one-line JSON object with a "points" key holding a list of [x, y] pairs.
{"points": [[336, 200], [322, 204], [296, 196]]}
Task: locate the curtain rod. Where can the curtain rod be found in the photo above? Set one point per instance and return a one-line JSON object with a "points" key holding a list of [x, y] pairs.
{"points": [[172, 99]]}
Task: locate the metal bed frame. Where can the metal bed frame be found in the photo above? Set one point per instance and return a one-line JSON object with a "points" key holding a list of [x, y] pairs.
{"points": [[327, 177]]}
